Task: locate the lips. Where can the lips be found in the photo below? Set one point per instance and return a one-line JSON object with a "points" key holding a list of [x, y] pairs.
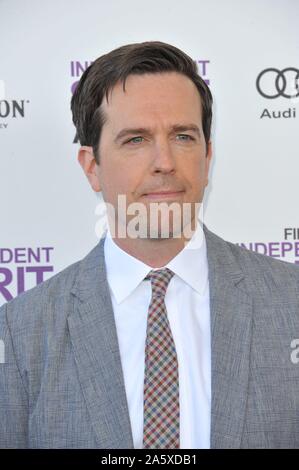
{"points": [[162, 194]]}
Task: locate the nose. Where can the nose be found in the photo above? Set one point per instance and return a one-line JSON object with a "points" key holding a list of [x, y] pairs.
{"points": [[163, 160]]}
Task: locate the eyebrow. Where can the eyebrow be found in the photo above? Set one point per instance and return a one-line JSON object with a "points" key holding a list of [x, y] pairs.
{"points": [[143, 130]]}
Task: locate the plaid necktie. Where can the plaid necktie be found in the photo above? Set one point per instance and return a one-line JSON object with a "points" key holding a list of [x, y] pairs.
{"points": [[161, 381]]}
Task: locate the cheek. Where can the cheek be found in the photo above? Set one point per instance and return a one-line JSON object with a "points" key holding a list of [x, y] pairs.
{"points": [[117, 181], [197, 178], [197, 171]]}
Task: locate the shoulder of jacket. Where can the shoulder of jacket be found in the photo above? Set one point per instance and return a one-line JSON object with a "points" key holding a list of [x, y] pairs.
{"points": [[37, 299], [265, 269]]}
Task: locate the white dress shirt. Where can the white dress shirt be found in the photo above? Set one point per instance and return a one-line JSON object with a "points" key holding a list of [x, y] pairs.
{"points": [[188, 310]]}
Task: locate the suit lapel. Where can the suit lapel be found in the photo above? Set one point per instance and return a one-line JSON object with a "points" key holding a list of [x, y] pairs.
{"points": [[231, 319], [94, 339]]}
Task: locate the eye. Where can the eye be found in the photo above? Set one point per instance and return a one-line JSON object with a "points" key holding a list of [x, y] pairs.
{"points": [[135, 140], [185, 137]]}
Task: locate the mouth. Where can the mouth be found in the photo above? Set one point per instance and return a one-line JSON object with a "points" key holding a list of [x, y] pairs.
{"points": [[163, 194]]}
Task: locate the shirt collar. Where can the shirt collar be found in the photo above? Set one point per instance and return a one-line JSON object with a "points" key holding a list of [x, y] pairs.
{"points": [[125, 272]]}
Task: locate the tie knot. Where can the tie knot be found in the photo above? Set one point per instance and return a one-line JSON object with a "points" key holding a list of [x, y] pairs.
{"points": [[160, 279]]}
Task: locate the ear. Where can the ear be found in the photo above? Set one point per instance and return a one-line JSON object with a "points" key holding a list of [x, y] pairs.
{"points": [[208, 161], [89, 165]]}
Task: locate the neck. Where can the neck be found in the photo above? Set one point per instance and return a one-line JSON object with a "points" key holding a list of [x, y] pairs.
{"points": [[155, 252]]}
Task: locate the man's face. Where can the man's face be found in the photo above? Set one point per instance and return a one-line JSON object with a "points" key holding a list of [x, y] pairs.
{"points": [[153, 141]]}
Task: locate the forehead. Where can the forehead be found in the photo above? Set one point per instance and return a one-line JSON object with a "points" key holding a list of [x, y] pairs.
{"points": [[153, 95]]}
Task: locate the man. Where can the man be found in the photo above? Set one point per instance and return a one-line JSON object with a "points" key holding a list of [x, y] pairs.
{"points": [[152, 340]]}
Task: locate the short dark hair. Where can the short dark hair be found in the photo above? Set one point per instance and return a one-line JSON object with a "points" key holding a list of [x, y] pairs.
{"points": [[132, 59]]}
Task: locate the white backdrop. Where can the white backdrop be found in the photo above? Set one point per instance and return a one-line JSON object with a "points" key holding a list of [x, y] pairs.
{"points": [[47, 207]]}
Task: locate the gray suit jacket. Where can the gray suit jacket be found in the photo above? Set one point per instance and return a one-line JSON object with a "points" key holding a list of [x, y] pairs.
{"points": [[62, 384]]}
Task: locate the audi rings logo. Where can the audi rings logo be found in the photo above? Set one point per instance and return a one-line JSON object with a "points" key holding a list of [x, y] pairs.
{"points": [[272, 83]]}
